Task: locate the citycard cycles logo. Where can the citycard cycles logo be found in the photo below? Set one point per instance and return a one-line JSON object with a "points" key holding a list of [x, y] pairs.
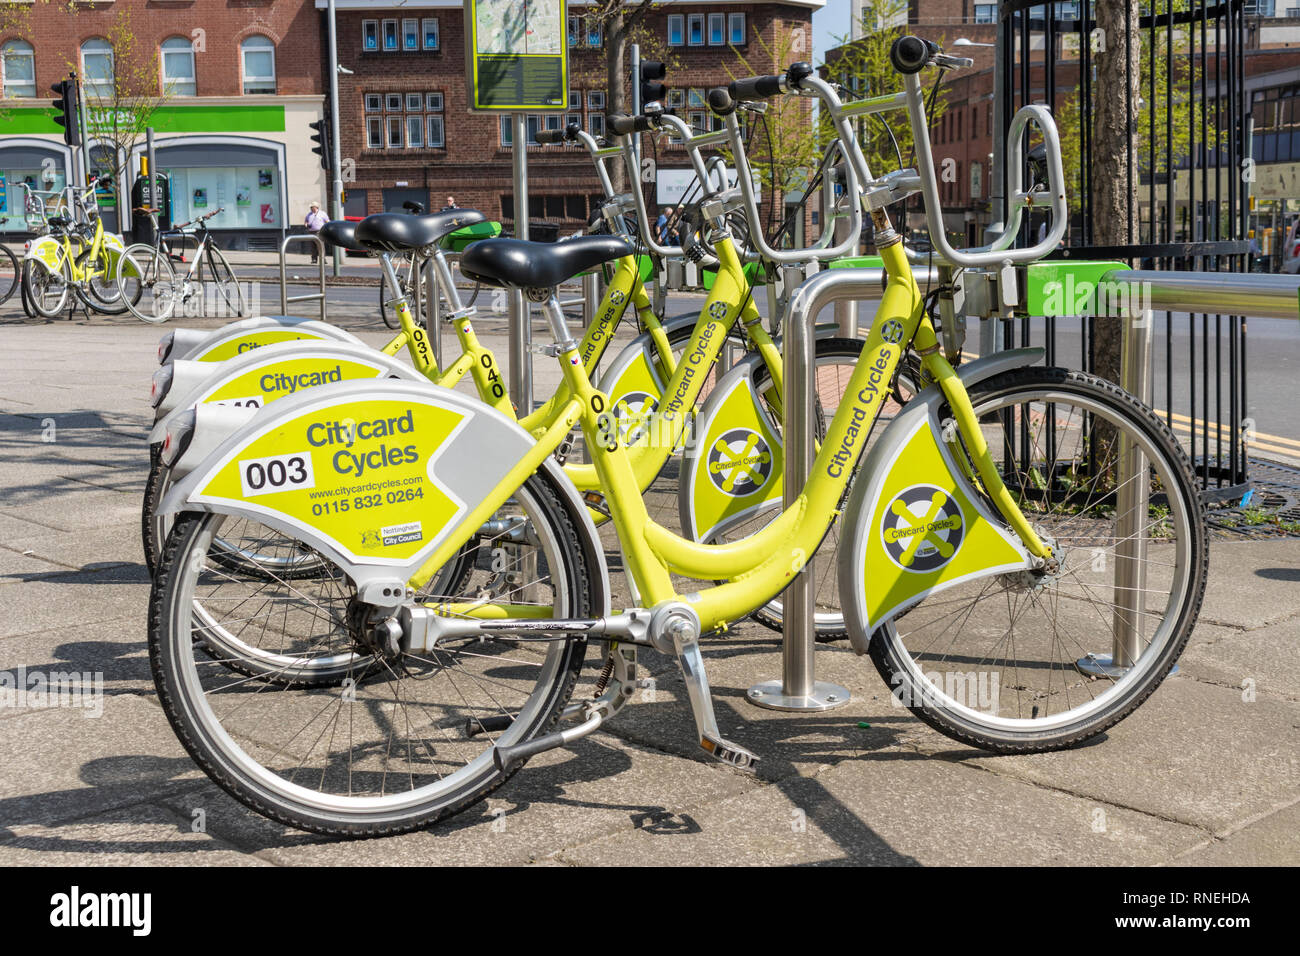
{"points": [[922, 529], [740, 462], [634, 412], [718, 310]]}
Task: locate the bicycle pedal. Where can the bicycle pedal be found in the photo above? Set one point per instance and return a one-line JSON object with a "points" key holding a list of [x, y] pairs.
{"points": [[733, 755], [596, 502]]}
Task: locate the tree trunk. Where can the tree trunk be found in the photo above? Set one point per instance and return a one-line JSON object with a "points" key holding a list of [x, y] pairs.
{"points": [[1112, 181], [1113, 176], [616, 34]]}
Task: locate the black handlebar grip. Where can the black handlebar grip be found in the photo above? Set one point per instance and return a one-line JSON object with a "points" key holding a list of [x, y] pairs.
{"points": [[755, 87], [621, 124], [571, 132], [547, 136], [720, 101], [910, 54]]}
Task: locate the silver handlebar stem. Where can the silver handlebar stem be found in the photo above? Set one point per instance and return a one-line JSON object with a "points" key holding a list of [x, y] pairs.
{"points": [[855, 174], [999, 252], [693, 145]]}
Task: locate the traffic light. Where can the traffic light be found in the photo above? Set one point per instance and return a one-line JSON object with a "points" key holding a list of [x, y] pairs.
{"points": [[652, 91], [322, 140], [66, 112]]}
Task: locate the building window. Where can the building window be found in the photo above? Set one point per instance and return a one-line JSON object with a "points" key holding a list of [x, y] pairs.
{"points": [[258, 55], [695, 29], [595, 35], [736, 32], [676, 99], [676, 30], [414, 102], [595, 99], [437, 136], [393, 102], [717, 29], [575, 99], [696, 99], [430, 33], [374, 102], [411, 36], [596, 124], [573, 119], [178, 67], [390, 36], [395, 131], [97, 67], [374, 133], [369, 35], [507, 131], [986, 13], [433, 102], [699, 121], [414, 132], [18, 64], [575, 31]]}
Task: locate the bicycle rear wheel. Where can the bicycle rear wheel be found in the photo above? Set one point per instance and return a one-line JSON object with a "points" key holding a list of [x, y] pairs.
{"points": [[103, 292], [1008, 663], [346, 737]]}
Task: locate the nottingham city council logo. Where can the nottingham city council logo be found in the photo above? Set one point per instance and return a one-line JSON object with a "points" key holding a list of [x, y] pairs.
{"points": [[922, 529], [739, 462]]}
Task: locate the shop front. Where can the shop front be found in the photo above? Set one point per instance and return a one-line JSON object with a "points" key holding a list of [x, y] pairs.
{"points": [[29, 166], [242, 177]]}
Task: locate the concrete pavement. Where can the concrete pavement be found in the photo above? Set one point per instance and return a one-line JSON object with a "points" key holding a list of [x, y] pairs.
{"points": [[1207, 771]]}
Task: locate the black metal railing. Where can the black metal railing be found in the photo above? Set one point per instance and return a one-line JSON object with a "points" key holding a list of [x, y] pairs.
{"points": [[1186, 153]]}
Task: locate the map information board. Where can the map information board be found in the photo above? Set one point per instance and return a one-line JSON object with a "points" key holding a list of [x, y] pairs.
{"points": [[517, 54]]}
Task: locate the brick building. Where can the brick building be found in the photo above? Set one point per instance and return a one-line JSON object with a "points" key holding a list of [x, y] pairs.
{"points": [[238, 84], [407, 130]]}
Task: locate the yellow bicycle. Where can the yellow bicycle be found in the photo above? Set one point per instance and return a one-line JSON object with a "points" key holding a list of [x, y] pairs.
{"points": [[1005, 516]]}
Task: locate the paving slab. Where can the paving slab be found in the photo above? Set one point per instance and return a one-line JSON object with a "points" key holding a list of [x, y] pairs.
{"points": [[561, 798], [902, 810], [142, 835], [61, 764], [69, 598], [1271, 841], [1259, 586], [1265, 659], [1196, 753], [97, 547], [116, 650]]}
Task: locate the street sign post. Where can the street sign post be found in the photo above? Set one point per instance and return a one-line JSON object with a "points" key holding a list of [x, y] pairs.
{"points": [[517, 55], [517, 61]]}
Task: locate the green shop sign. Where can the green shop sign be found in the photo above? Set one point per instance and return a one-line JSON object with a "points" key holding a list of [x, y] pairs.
{"points": [[165, 119]]}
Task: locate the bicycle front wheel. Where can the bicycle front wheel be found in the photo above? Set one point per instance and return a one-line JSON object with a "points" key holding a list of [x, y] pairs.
{"points": [[148, 283], [1017, 662], [228, 295], [47, 292], [103, 291], [10, 274], [347, 737]]}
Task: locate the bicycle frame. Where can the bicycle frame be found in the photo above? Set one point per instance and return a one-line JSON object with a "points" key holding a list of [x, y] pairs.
{"points": [[759, 567]]}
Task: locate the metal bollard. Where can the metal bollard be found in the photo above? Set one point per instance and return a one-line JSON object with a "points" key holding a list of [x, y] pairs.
{"points": [[285, 298], [798, 689], [1132, 500]]}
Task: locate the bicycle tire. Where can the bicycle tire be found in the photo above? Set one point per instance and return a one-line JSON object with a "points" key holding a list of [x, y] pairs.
{"points": [[227, 285], [37, 278], [150, 270], [948, 708], [10, 267], [234, 754]]}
